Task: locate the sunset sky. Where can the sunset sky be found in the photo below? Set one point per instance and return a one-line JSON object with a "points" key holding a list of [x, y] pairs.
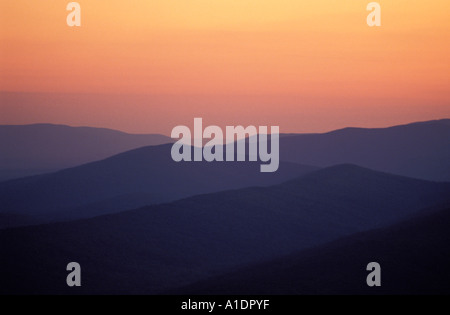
{"points": [[147, 66]]}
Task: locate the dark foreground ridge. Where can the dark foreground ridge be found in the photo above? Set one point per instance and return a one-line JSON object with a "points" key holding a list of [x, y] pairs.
{"points": [[413, 255], [162, 247]]}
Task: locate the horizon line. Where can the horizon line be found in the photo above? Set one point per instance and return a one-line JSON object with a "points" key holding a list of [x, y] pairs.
{"points": [[281, 133]]}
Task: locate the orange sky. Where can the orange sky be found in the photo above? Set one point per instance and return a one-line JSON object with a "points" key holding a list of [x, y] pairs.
{"points": [[146, 66]]}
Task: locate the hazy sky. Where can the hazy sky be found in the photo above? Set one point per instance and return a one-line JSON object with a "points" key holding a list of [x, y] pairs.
{"points": [[146, 66]]}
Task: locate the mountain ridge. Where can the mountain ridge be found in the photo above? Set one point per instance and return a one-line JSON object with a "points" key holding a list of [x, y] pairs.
{"points": [[420, 150], [412, 255], [142, 176], [161, 247], [38, 148]]}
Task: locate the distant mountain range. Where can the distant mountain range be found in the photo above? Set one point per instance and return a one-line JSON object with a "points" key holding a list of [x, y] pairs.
{"points": [[414, 257], [420, 150], [225, 227], [41, 148], [129, 180], [162, 247]]}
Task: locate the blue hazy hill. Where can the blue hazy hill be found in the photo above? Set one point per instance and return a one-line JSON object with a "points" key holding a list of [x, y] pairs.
{"points": [[162, 247], [420, 150], [41, 148], [129, 180]]}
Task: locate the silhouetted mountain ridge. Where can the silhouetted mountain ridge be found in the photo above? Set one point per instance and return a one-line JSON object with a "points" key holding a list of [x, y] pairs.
{"points": [[420, 150], [132, 179], [38, 148], [413, 255], [161, 247]]}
